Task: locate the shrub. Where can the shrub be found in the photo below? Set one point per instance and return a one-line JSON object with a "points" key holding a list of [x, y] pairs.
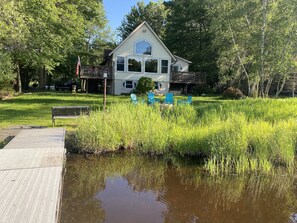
{"points": [[233, 93], [145, 84]]}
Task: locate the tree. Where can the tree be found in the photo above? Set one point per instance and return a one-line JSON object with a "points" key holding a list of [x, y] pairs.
{"points": [[6, 71], [256, 42], [41, 35], [154, 13], [188, 35]]}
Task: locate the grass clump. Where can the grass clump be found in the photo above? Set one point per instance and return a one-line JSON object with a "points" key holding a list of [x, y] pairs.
{"points": [[229, 142], [124, 126]]}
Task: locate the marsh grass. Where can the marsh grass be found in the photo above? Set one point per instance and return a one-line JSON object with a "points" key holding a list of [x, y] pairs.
{"points": [[230, 137], [250, 135]]}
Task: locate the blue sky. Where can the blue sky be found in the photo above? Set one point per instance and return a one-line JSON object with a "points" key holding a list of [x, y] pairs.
{"points": [[116, 9]]}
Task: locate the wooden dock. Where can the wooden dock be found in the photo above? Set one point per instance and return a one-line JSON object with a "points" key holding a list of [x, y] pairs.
{"points": [[31, 176]]}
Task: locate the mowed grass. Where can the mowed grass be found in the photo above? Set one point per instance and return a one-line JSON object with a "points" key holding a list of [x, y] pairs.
{"points": [[34, 109]]}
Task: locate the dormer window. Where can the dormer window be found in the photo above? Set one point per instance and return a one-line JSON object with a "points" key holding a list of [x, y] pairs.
{"points": [[143, 47]]}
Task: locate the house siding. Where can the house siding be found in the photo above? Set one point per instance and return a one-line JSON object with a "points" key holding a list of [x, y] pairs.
{"points": [[127, 50], [183, 66]]}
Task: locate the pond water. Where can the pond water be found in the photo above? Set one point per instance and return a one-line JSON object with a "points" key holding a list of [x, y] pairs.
{"points": [[123, 188]]}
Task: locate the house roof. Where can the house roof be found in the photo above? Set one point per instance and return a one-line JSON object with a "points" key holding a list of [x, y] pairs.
{"points": [[180, 58], [153, 32]]}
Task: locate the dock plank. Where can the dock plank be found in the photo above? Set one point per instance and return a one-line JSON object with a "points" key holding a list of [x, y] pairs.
{"points": [[38, 138], [31, 176], [30, 195]]}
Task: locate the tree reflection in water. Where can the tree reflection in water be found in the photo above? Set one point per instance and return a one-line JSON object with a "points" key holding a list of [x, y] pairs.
{"points": [[96, 189]]}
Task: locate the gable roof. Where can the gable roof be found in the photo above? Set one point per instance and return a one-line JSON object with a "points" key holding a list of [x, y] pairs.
{"points": [[153, 32], [180, 58]]}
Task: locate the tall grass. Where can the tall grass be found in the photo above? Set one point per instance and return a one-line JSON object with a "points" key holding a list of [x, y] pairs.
{"points": [[232, 136]]}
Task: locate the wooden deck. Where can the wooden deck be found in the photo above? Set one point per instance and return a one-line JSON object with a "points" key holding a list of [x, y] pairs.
{"points": [[31, 170]]}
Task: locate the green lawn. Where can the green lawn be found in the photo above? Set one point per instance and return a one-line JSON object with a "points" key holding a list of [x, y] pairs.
{"points": [[34, 109]]}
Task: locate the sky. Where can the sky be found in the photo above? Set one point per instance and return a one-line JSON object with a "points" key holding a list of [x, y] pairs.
{"points": [[116, 10]]}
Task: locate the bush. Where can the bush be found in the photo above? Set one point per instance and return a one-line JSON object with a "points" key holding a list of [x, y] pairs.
{"points": [[233, 93], [145, 84]]}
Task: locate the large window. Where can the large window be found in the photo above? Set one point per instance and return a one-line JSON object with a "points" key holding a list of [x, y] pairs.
{"points": [[151, 66], [120, 63], [143, 47], [134, 64], [164, 66]]}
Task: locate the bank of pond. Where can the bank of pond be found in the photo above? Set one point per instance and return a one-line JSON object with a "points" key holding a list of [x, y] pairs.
{"points": [[245, 136]]}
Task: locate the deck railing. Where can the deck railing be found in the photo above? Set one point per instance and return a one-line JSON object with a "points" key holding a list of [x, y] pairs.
{"points": [[188, 77], [95, 71]]}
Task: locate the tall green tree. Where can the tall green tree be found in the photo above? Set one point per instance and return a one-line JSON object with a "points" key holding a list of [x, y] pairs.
{"points": [[188, 35], [256, 42], [41, 35], [154, 13]]}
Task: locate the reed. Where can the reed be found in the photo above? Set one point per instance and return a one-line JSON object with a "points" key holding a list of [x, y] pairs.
{"points": [[232, 136]]}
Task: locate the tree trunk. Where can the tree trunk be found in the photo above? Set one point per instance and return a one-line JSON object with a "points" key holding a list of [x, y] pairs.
{"points": [[254, 90], [19, 82], [268, 86], [280, 86], [263, 30], [294, 85], [42, 78]]}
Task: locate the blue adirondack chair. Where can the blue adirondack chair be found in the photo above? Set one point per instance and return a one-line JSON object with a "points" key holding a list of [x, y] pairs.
{"points": [[134, 99], [151, 98], [187, 102], [169, 99]]}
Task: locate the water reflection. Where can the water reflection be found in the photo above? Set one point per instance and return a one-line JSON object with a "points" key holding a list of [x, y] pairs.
{"points": [[137, 189]]}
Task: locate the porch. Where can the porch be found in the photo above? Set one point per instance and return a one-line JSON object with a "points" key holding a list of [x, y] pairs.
{"points": [[92, 78], [185, 82]]}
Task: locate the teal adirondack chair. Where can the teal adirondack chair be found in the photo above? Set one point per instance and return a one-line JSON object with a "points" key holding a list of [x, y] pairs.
{"points": [[169, 99], [187, 102], [151, 98], [134, 99]]}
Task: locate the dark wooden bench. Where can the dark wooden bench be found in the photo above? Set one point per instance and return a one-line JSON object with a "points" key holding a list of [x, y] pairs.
{"points": [[62, 112]]}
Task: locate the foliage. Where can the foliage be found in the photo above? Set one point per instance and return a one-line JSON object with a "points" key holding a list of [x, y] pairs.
{"points": [[154, 13], [188, 35], [40, 36], [256, 42], [233, 93], [144, 85], [6, 71]]}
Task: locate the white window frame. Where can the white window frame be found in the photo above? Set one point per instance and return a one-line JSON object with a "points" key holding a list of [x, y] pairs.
{"points": [[132, 85], [136, 58], [117, 63], [162, 66], [143, 54], [151, 58]]}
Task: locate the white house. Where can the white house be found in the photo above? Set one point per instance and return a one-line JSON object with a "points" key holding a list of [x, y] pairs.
{"points": [[141, 54]]}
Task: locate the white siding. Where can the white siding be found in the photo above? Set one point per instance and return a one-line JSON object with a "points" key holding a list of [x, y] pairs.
{"points": [[183, 66], [128, 50]]}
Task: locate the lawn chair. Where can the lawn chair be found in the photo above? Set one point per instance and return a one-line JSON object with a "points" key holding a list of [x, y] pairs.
{"points": [[187, 102], [169, 99], [151, 98], [134, 99]]}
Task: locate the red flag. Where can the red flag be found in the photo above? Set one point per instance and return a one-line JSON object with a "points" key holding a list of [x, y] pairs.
{"points": [[77, 66]]}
